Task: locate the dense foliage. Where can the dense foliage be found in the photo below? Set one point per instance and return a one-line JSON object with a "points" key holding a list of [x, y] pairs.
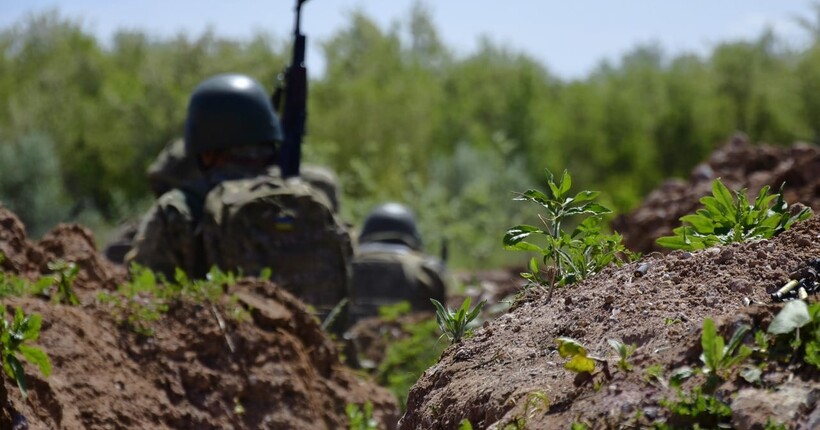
{"points": [[396, 113]]}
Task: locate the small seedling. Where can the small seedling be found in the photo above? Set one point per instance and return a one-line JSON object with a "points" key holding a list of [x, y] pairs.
{"points": [[624, 352], [577, 353], [14, 337], [454, 324], [567, 257], [725, 219], [718, 357], [64, 274]]}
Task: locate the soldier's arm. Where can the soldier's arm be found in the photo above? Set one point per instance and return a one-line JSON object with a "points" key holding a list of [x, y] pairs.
{"points": [[165, 239]]}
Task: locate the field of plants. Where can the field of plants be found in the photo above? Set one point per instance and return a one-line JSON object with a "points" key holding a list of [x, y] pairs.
{"points": [[680, 339], [574, 309]]}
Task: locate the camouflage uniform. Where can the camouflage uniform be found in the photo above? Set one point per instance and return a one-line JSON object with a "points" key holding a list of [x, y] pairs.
{"points": [[240, 214], [172, 170], [389, 266]]}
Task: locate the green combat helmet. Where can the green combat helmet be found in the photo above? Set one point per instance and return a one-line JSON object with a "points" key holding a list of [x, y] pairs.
{"points": [[227, 111], [392, 223]]}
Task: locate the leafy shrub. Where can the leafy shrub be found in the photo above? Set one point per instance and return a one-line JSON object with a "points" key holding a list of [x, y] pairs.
{"points": [[454, 324], [569, 257], [31, 185], [13, 338], [725, 219]]}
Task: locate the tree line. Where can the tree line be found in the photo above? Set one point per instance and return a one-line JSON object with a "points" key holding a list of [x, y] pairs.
{"points": [[397, 114]]}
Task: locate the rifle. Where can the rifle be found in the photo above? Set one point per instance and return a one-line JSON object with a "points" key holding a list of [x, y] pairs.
{"points": [[292, 108]]}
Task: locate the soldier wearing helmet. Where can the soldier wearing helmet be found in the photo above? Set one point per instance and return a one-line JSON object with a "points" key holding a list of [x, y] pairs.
{"points": [[390, 266], [226, 216]]}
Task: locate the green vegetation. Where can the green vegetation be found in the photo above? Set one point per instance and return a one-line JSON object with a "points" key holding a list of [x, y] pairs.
{"points": [[719, 357], [577, 353], [360, 418], [406, 359], [796, 331], [624, 352], [726, 219], [137, 304], [697, 410], [64, 275], [83, 117], [454, 324], [14, 339], [568, 257]]}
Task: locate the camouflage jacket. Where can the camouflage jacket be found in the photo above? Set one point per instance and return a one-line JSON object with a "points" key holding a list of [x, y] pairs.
{"points": [[235, 226], [385, 273]]}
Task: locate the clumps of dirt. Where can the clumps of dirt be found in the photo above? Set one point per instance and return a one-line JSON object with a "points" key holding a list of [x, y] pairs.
{"points": [[489, 377], [67, 242], [203, 367], [739, 165]]}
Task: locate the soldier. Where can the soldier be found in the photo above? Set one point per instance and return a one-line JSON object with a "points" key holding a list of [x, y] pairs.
{"points": [[389, 265], [241, 215]]}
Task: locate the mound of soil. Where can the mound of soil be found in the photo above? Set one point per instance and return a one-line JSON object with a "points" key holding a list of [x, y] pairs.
{"points": [[490, 377], [740, 165], [201, 368]]}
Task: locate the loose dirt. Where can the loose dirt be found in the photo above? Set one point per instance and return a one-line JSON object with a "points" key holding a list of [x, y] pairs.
{"points": [[277, 370], [497, 378]]}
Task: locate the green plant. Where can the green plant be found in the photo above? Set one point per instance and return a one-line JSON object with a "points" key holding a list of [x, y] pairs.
{"points": [[568, 257], [718, 357], [579, 361], [65, 274], [392, 312], [697, 410], [725, 219], [14, 338], [654, 375], [796, 331], [360, 418], [624, 352], [407, 358], [465, 424], [137, 304], [454, 324]]}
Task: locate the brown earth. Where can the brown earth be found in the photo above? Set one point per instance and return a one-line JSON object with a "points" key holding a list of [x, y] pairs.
{"points": [[497, 378], [740, 165], [276, 371]]}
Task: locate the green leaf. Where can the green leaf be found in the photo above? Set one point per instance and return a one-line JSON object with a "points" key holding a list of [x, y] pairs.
{"points": [[518, 233], [794, 314], [19, 374], [580, 363], [712, 345], [568, 347], [566, 184], [585, 196], [37, 357], [31, 327]]}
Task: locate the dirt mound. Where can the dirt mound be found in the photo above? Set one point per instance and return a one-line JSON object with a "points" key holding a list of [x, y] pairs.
{"points": [[489, 378], [739, 165], [201, 368]]}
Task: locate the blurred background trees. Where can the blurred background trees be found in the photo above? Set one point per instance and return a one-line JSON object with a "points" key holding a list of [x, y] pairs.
{"points": [[396, 114]]}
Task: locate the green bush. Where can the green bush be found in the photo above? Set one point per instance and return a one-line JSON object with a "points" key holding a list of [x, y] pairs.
{"points": [[725, 219]]}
